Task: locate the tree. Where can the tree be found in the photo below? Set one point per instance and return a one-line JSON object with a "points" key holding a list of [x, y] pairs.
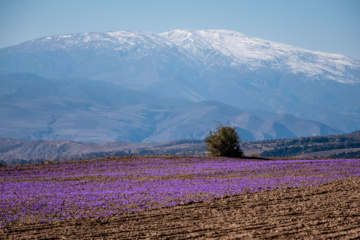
{"points": [[224, 142]]}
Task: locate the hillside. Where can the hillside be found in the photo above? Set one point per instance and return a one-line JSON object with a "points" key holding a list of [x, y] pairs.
{"points": [[92, 111], [14, 151], [334, 146]]}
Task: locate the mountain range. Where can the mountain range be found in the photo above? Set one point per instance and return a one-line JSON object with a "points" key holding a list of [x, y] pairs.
{"points": [[147, 87]]}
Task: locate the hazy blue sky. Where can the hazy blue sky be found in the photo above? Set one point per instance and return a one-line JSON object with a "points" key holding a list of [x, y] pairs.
{"points": [[322, 25]]}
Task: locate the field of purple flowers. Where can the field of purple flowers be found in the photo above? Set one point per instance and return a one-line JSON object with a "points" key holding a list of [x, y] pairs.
{"points": [[108, 187]]}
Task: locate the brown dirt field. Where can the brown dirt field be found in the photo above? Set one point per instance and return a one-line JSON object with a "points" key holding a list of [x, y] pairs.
{"points": [[328, 211]]}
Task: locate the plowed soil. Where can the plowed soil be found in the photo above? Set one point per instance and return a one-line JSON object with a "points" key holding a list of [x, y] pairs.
{"points": [[328, 211]]}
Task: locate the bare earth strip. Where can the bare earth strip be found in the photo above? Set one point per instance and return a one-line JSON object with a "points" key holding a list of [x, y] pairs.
{"points": [[328, 211]]}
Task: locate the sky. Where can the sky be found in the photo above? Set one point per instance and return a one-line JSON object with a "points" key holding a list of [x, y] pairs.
{"points": [[331, 26]]}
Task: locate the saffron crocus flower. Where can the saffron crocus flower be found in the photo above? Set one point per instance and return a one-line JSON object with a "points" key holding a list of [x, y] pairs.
{"points": [[108, 187]]}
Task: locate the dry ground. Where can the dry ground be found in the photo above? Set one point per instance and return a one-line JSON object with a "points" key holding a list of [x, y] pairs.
{"points": [[328, 211]]}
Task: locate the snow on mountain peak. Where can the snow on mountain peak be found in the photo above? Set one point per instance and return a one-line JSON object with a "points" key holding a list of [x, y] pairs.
{"points": [[210, 48], [226, 42], [118, 41], [241, 50]]}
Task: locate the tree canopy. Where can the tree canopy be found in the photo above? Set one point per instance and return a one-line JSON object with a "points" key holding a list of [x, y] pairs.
{"points": [[224, 142]]}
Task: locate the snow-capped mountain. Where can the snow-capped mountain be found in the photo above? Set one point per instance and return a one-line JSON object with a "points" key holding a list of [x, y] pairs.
{"points": [[208, 48], [238, 50], [220, 65]]}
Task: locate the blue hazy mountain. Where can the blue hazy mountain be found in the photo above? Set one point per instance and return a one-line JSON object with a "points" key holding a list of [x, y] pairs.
{"points": [[34, 107]]}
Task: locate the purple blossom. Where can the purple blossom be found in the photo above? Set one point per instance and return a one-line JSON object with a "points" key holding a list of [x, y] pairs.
{"points": [[46, 193]]}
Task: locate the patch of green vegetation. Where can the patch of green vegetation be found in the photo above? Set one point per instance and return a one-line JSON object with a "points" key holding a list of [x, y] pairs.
{"points": [[294, 147], [355, 154]]}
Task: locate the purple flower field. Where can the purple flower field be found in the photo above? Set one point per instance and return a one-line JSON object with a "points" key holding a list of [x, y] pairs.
{"points": [[107, 187]]}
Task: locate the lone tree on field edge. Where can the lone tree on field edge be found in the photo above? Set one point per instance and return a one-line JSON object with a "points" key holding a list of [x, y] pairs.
{"points": [[224, 142]]}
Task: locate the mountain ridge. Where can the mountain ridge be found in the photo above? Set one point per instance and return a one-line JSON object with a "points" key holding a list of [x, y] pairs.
{"points": [[239, 47]]}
